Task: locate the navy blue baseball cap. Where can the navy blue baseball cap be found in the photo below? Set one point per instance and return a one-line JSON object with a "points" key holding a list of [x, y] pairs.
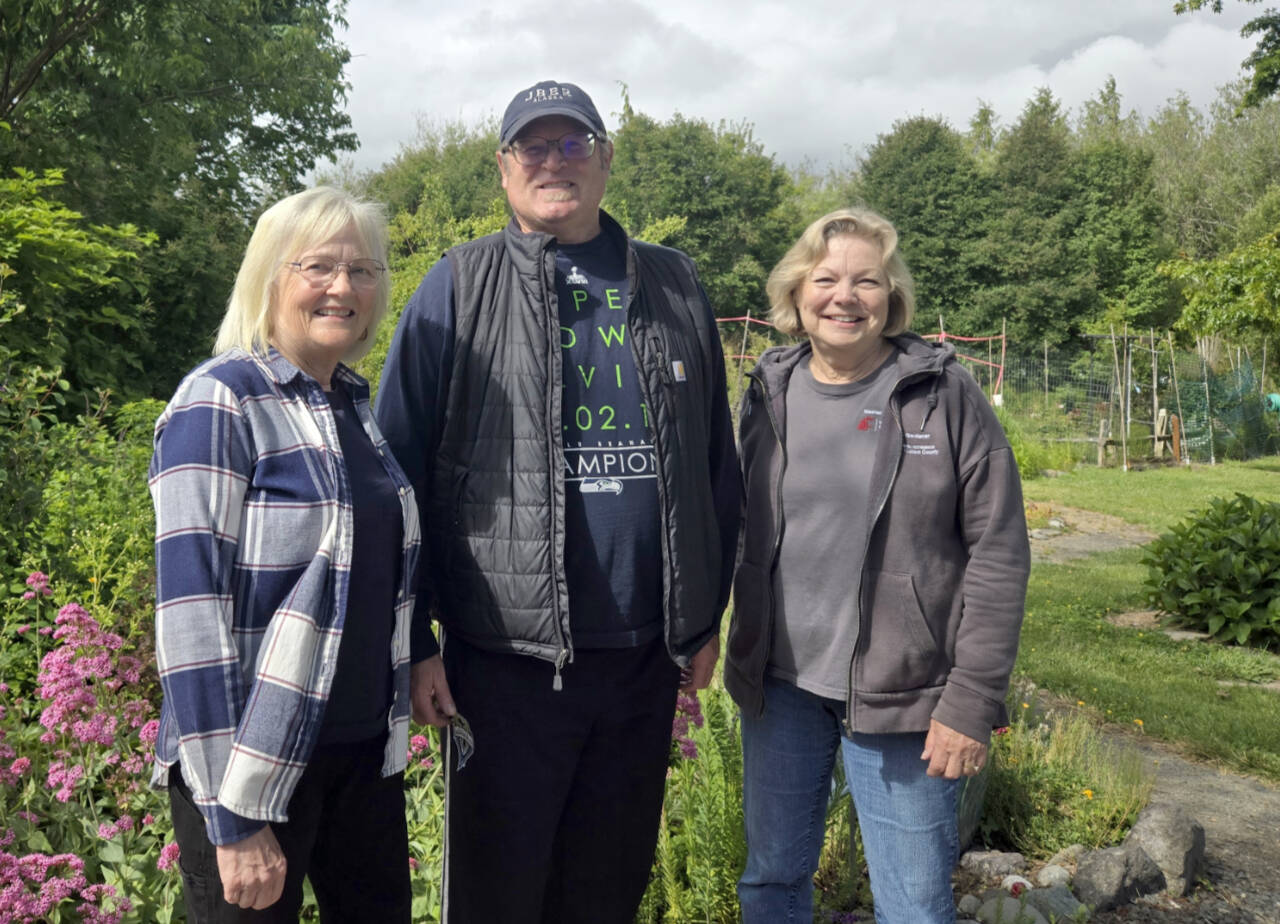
{"points": [[548, 98]]}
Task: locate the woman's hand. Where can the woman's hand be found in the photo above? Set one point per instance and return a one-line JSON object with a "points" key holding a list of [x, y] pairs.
{"points": [[951, 754], [429, 693], [252, 870]]}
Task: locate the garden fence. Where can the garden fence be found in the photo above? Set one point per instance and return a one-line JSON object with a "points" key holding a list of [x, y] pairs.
{"points": [[1124, 399]]}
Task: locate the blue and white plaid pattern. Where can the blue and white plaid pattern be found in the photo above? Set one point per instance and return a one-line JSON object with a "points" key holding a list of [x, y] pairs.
{"points": [[253, 551]]}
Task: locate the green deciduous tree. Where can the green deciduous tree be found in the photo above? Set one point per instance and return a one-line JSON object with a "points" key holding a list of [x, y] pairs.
{"points": [[1237, 294], [1264, 60], [178, 118], [730, 194]]}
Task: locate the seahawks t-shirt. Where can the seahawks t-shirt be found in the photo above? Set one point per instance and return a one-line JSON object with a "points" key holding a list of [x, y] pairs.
{"points": [[612, 549]]}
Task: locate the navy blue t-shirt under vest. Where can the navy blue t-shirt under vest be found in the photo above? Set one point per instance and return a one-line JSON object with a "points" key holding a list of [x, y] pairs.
{"points": [[613, 553], [361, 691]]}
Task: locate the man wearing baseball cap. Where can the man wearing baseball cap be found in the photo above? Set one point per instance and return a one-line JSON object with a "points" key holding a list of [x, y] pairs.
{"points": [[556, 394]]}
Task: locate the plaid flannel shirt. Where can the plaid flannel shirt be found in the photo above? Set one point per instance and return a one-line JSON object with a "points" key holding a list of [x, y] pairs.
{"points": [[253, 550]]}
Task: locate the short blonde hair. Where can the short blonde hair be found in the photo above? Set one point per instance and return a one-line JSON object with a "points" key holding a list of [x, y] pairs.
{"points": [[283, 233], [787, 277]]}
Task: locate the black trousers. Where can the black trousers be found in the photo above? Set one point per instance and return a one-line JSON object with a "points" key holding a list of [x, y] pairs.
{"points": [[555, 817], [346, 831]]}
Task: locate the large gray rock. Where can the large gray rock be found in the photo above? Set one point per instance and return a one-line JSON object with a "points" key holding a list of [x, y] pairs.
{"points": [[1057, 904], [992, 864], [968, 905], [1053, 875], [1067, 856], [1115, 876], [1006, 909], [1175, 841]]}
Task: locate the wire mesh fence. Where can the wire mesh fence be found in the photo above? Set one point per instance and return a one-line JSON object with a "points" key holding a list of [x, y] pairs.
{"points": [[1124, 399]]}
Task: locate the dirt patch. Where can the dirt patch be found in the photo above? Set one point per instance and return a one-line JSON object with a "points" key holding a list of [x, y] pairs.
{"points": [[1083, 533]]}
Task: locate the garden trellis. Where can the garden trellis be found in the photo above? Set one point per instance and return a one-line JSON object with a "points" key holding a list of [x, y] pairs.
{"points": [[1125, 397]]}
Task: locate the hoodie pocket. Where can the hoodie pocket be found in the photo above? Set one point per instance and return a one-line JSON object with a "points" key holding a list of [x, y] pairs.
{"points": [[898, 650]]}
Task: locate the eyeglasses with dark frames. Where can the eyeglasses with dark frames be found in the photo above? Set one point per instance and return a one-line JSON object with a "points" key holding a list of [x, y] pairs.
{"points": [[532, 150]]}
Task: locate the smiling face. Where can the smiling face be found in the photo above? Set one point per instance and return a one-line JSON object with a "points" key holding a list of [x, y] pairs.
{"points": [[316, 326], [844, 300], [559, 197]]}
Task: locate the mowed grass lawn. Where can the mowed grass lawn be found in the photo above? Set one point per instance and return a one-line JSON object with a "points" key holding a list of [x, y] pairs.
{"points": [[1204, 698]]}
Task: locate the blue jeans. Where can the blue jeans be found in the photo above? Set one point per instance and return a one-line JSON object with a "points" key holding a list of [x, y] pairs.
{"points": [[908, 819]]}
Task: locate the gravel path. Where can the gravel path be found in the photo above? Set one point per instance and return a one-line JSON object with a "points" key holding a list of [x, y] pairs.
{"points": [[1241, 819]]}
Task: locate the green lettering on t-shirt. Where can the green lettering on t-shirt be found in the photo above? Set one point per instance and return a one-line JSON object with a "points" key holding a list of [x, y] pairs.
{"points": [[613, 335], [587, 374], [613, 299], [580, 297], [568, 339]]}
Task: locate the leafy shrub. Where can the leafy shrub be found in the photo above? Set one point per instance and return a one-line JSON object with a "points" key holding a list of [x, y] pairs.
{"points": [[1219, 571]]}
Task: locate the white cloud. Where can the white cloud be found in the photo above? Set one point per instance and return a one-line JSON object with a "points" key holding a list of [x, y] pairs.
{"points": [[816, 80]]}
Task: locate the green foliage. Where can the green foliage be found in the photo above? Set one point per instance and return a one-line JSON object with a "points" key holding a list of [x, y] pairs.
{"points": [[701, 847], [30, 399], [1054, 784], [179, 119], [1034, 456], [70, 294], [96, 525], [922, 176], [732, 197], [1219, 571], [1236, 294]]}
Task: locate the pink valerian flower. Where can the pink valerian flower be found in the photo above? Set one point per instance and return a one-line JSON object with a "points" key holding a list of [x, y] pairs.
{"points": [[38, 581], [148, 733], [11, 774], [418, 744], [168, 855], [29, 817], [64, 778], [107, 832], [413, 864], [24, 629], [148, 819], [426, 763], [29, 595]]}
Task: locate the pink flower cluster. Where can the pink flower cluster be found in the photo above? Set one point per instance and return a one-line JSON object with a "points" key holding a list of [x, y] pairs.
{"points": [[31, 887], [688, 712], [38, 581], [81, 679], [417, 745], [168, 855]]}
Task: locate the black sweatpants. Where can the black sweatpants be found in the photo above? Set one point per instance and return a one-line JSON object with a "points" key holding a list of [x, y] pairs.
{"points": [[555, 817], [346, 830]]}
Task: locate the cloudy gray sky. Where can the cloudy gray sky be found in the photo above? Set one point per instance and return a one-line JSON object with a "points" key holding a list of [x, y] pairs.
{"points": [[818, 79]]}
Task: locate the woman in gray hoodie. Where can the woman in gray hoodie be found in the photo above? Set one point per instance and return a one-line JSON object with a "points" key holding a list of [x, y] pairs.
{"points": [[882, 622]]}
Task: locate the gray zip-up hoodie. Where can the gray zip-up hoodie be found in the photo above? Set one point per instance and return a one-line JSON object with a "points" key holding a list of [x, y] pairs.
{"points": [[943, 571]]}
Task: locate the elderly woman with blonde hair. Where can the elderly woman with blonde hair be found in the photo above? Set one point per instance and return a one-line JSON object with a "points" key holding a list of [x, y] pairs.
{"points": [[286, 543], [880, 594]]}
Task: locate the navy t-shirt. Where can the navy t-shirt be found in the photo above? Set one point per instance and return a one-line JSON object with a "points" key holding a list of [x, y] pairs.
{"points": [[612, 546], [361, 692]]}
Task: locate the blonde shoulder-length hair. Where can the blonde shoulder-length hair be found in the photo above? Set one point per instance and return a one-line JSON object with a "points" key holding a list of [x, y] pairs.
{"points": [[783, 285], [283, 233]]}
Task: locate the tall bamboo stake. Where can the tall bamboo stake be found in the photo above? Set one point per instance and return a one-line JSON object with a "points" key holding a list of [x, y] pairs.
{"points": [[1208, 408], [1124, 442], [742, 351], [1177, 396]]}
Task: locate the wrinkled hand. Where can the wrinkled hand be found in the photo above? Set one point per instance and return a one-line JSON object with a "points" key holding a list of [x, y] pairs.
{"points": [[429, 693], [697, 676], [252, 870], [952, 754]]}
